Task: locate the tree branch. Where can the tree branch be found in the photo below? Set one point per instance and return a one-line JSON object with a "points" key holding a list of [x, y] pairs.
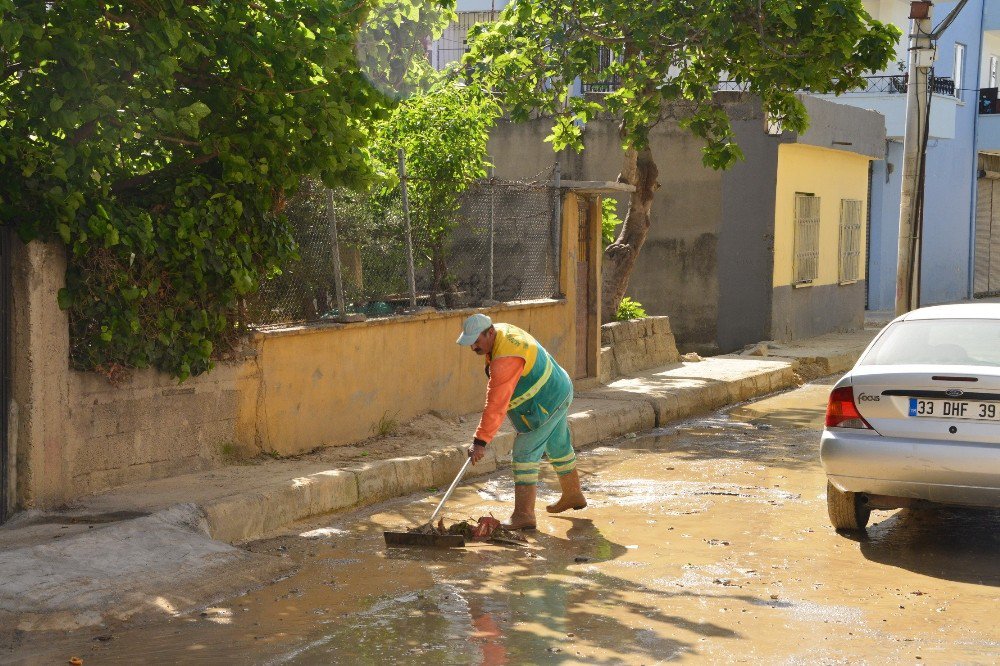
{"points": [[12, 69], [144, 179], [176, 139]]}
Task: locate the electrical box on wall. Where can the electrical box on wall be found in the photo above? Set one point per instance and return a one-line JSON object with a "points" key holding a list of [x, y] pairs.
{"points": [[926, 57]]}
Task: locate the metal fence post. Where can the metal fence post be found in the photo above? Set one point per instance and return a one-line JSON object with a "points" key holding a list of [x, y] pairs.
{"points": [[492, 187], [557, 223], [338, 282], [409, 233]]}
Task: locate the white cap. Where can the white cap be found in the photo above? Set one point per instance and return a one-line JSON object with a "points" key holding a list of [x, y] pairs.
{"points": [[472, 327]]}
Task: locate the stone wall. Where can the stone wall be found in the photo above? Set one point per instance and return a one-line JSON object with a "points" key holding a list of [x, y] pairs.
{"points": [[638, 344]]}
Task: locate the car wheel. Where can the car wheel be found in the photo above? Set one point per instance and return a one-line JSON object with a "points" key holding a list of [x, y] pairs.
{"points": [[848, 511]]}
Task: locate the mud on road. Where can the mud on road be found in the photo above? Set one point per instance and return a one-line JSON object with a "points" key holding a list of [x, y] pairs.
{"points": [[708, 541]]}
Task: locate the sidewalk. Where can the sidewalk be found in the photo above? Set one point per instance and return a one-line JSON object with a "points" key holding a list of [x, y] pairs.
{"points": [[165, 545]]}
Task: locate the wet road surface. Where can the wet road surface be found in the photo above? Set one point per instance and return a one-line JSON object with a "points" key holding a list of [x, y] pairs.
{"points": [[707, 541]]}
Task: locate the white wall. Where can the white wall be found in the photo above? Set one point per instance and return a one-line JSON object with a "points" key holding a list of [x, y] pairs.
{"points": [[991, 47], [896, 12], [479, 5]]}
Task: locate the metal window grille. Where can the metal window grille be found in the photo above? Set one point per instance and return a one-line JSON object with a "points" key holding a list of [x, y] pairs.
{"points": [[850, 240], [806, 260], [606, 82], [454, 41]]}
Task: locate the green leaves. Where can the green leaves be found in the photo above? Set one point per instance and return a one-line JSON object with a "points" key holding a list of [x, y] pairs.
{"points": [[159, 140], [444, 134], [673, 51], [10, 33], [189, 117]]}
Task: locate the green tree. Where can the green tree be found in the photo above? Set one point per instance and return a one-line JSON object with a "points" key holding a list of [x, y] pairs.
{"points": [[670, 51], [160, 139], [444, 134], [609, 220]]}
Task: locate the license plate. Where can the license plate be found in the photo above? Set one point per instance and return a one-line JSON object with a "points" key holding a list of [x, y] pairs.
{"points": [[955, 409]]}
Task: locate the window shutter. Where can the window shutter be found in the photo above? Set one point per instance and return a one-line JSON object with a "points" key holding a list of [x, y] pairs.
{"points": [[850, 240], [806, 258]]}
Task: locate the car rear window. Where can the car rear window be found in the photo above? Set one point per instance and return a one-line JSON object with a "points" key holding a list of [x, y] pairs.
{"points": [[938, 342]]}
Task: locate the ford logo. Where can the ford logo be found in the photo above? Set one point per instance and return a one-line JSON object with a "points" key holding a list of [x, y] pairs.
{"points": [[954, 393]]}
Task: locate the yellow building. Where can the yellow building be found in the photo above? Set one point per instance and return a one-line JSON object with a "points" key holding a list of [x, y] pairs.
{"points": [[820, 226]]}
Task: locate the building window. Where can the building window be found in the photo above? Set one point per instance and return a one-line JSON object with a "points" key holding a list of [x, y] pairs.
{"points": [[453, 42], [850, 240], [806, 261], [957, 77]]}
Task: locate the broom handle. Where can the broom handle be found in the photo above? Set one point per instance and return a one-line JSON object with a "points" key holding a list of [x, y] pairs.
{"points": [[451, 488]]}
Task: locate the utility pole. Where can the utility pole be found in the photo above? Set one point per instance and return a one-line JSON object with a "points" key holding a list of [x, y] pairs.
{"points": [[923, 52], [922, 55]]}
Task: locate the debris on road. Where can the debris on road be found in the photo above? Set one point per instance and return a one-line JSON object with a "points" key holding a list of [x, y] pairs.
{"points": [[486, 528]]}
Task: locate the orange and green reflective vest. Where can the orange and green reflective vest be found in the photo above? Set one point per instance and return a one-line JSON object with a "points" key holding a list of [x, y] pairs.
{"points": [[543, 385]]}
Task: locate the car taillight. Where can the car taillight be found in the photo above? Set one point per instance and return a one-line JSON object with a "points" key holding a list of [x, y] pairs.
{"points": [[841, 412]]}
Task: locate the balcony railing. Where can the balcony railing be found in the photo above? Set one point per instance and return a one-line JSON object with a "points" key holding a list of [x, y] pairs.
{"points": [[877, 85], [607, 86], [896, 85]]}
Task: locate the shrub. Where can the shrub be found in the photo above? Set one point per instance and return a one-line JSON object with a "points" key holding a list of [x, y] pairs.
{"points": [[629, 309]]}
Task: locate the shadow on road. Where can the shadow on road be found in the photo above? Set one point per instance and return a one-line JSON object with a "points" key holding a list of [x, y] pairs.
{"points": [[960, 545]]}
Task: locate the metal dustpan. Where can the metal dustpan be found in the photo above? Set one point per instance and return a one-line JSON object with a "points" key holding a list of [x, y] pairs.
{"points": [[425, 535]]}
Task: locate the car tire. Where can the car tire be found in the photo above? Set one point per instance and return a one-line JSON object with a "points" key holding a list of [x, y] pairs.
{"points": [[848, 511]]}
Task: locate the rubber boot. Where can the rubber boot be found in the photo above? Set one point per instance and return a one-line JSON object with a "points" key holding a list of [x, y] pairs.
{"points": [[523, 517], [572, 496]]}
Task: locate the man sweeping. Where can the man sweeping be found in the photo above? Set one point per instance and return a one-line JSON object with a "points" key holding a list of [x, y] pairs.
{"points": [[527, 384]]}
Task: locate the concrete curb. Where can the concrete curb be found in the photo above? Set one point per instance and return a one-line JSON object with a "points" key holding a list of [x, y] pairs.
{"points": [[628, 405]]}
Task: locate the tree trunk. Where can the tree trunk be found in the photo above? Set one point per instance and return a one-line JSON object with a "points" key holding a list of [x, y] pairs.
{"points": [[442, 282], [638, 169]]}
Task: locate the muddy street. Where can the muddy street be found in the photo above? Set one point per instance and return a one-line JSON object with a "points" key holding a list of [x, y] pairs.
{"points": [[707, 541]]}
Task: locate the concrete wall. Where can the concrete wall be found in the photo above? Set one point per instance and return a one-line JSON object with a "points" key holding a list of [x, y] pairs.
{"points": [[290, 390], [677, 273], [39, 364], [746, 243], [828, 308], [883, 233]]}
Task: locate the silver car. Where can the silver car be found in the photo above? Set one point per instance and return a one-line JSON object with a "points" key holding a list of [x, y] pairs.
{"points": [[916, 422]]}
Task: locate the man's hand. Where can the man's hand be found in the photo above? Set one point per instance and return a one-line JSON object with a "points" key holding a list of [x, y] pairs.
{"points": [[477, 450]]}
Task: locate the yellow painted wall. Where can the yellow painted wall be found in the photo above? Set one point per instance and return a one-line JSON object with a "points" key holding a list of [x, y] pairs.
{"points": [[831, 175], [330, 386]]}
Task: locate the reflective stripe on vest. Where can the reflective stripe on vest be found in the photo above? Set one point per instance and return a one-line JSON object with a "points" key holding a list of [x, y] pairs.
{"points": [[519, 400]]}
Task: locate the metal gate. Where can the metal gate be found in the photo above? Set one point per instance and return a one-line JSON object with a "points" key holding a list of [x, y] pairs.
{"points": [[986, 281], [5, 334]]}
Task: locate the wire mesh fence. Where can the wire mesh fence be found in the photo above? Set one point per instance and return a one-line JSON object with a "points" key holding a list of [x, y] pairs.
{"points": [[502, 246]]}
